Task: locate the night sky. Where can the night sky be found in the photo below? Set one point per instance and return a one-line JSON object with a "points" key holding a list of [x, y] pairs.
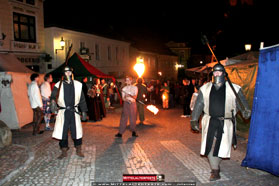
{"points": [[228, 24]]}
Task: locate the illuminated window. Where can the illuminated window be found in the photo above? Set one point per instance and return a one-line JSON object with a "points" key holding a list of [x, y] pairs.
{"points": [[24, 28]]}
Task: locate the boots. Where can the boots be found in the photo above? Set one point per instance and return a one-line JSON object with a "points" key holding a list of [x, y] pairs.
{"points": [[78, 150], [34, 128], [64, 153], [215, 175]]}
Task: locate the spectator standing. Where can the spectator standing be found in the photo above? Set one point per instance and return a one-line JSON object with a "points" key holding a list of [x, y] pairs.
{"points": [[104, 86], [157, 92], [142, 93], [97, 110], [194, 98], [46, 92], [185, 98], [111, 92], [85, 91], [36, 103], [171, 95], [152, 94], [165, 95]]}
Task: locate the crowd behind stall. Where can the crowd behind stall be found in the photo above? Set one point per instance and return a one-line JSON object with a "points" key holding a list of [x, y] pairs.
{"points": [[165, 94]]}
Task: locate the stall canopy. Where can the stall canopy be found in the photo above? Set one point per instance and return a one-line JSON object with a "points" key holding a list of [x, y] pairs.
{"points": [[249, 57], [81, 69], [10, 63], [263, 143]]}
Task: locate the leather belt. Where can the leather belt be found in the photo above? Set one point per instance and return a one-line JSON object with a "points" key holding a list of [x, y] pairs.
{"points": [[70, 108]]}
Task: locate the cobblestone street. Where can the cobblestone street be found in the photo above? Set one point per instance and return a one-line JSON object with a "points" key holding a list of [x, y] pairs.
{"points": [[165, 146]]}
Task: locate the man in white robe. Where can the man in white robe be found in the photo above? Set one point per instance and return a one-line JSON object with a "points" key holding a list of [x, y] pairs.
{"points": [[220, 105], [70, 98]]}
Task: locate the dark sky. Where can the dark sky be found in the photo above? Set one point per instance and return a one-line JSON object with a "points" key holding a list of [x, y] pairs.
{"points": [[226, 26]]}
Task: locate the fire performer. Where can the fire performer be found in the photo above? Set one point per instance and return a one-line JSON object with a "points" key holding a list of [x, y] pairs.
{"points": [[69, 95], [129, 110], [220, 105]]}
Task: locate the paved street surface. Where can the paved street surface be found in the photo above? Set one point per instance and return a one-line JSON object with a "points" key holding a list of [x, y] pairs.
{"points": [[165, 146]]}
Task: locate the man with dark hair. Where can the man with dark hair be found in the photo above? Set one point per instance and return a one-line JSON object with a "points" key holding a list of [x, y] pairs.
{"points": [[142, 94], [219, 104], [69, 97], [129, 110], [36, 103], [46, 92]]}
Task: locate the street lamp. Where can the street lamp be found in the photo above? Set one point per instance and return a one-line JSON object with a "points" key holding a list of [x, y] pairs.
{"points": [[177, 66], [248, 47], [62, 44]]}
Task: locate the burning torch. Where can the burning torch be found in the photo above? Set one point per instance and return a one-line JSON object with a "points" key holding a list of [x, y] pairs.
{"points": [[139, 68], [151, 108]]}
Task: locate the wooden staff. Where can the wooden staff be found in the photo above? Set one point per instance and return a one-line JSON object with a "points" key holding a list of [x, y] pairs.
{"points": [[205, 41], [61, 79]]}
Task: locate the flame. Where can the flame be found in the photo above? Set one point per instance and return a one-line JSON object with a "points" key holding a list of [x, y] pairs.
{"points": [[139, 67], [152, 109], [164, 97]]}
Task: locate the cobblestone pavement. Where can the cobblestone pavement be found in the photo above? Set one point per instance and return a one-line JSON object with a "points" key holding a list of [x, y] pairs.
{"points": [[165, 146]]}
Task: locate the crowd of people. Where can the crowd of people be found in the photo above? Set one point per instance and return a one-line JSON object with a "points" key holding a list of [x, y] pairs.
{"points": [[39, 98], [72, 101], [101, 95]]}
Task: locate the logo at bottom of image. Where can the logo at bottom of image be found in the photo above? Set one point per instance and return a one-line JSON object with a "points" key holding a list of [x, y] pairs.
{"points": [[143, 178]]}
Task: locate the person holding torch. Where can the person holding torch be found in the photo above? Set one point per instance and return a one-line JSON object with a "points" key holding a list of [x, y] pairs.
{"points": [[129, 110]]}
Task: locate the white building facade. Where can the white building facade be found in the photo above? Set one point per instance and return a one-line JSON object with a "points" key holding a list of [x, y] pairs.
{"points": [[22, 31], [108, 55]]}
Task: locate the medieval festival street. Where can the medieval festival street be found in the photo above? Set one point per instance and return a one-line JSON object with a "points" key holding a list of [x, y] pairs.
{"points": [[165, 146]]}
